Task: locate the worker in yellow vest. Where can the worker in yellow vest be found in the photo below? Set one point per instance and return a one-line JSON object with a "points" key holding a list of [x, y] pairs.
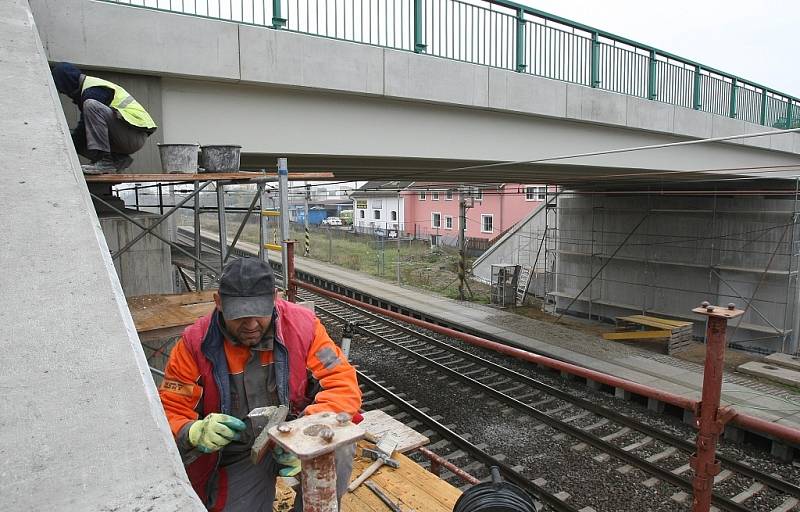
{"points": [[113, 125]]}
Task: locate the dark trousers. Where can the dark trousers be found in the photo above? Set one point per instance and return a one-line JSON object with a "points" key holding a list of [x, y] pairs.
{"points": [[106, 132]]}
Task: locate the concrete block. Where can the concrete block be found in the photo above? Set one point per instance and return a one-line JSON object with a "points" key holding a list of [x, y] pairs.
{"points": [[771, 372], [285, 58], [529, 94], [782, 452], [655, 405], [146, 41], [785, 360], [722, 126], [622, 394], [408, 75], [689, 418], [587, 104], [784, 142], [593, 385], [734, 434], [650, 115], [759, 142], [692, 123]]}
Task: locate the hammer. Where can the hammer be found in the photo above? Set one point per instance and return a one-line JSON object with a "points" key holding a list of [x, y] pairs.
{"points": [[269, 417], [381, 456]]}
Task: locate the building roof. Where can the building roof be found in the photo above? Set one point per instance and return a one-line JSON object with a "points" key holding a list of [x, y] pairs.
{"points": [[380, 188]]}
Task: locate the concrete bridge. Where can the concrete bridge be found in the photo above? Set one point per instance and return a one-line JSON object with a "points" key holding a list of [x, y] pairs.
{"points": [[367, 111]]}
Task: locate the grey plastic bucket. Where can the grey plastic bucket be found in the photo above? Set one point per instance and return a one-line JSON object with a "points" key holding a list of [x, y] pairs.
{"points": [[178, 158], [219, 158]]}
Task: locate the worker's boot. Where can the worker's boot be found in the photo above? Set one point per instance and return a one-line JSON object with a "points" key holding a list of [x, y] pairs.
{"points": [[122, 161], [106, 165]]}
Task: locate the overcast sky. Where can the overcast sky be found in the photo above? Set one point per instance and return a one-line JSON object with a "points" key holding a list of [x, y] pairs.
{"points": [[756, 40]]}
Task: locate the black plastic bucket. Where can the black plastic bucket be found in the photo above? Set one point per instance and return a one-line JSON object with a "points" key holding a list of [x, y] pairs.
{"points": [[495, 496]]}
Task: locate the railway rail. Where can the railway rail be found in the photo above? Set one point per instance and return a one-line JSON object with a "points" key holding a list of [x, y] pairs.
{"points": [[599, 433]]}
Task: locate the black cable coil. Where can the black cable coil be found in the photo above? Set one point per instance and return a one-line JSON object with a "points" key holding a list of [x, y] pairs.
{"points": [[495, 496]]}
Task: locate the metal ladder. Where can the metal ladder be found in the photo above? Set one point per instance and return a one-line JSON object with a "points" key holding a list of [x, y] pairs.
{"points": [[523, 281]]}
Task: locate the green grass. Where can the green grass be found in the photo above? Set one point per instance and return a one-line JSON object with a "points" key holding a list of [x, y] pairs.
{"points": [[435, 270]]}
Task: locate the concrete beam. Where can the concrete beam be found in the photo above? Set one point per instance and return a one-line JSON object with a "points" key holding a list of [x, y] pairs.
{"points": [[83, 428], [150, 42]]}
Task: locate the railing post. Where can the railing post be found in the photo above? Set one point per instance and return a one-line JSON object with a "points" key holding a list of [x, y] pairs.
{"points": [[419, 43], [697, 84], [278, 21], [789, 113], [521, 65], [595, 60], [763, 107], [734, 91], [651, 77]]}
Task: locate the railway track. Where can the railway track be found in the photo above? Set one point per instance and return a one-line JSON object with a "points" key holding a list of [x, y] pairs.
{"points": [[653, 463], [595, 458]]}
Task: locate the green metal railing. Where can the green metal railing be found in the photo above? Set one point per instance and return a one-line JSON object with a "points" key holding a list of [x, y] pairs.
{"points": [[512, 36]]}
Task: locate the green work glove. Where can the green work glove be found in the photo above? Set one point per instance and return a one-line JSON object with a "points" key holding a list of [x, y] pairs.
{"points": [[287, 459], [214, 431]]}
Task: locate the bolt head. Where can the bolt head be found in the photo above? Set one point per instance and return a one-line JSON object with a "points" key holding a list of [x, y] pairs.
{"points": [[731, 306], [342, 418], [284, 428], [710, 309], [705, 304], [327, 434]]}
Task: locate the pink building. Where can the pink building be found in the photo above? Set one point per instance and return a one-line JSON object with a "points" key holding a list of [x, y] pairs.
{"points": [[432, 208]]}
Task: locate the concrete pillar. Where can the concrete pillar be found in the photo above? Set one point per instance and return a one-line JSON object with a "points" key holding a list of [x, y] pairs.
{"points": [[622, 394], [734, 434], [782, 452], [689, 418], [655, 405], [593, 385]]}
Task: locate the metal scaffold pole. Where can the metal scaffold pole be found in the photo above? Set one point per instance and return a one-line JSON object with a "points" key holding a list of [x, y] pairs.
{"points": [[198, 274], [283, 190], [223, 232], [262, 222], [307, 239]]}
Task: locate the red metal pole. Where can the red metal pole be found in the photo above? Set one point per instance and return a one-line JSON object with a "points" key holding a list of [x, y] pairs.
{"points": [[437, 462], [319, 484], [291, 279], [788, 434], [704, 460]]}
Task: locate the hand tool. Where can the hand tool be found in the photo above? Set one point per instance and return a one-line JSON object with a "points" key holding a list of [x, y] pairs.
{"points": [[394, 507], [383, 455], [264, 418]]}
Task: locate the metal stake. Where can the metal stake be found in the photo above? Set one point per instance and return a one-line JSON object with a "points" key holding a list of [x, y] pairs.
{"points": [[198, 277], [283, 190], [223, 231], [712, 418]]}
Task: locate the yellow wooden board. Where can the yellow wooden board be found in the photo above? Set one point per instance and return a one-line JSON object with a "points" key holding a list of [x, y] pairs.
{"points": [[636, 335], [652, 321], [410, 486]]}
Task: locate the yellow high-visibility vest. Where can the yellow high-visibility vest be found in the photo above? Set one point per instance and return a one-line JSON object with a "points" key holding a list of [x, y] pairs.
{"points": [[130, 109]]}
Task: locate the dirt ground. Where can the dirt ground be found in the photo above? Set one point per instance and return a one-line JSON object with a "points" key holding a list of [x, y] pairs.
{"points": [[695, 354]]}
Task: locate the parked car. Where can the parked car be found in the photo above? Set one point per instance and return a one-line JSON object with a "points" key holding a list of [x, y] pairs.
{"points": [[332, 221]]}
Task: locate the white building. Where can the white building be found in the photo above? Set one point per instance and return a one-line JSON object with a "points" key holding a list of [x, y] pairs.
{"points": [[378, 204]]}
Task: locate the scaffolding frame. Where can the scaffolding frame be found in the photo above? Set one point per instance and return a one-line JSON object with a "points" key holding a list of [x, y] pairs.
{"points": [[597, 237]]}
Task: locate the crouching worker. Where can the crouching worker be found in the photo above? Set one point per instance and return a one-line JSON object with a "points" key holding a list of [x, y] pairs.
{"points": [[112, 126], [252, 351]]}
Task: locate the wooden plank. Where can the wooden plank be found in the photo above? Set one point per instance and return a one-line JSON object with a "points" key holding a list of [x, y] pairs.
{"points": [[646, 322], [206, 176], [663, 321], [377, 423], [409, 485], [636, 335], [169, 312]]}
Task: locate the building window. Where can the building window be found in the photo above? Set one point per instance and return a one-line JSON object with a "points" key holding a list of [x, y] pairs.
{"points": [[448, 196], [377, 203], [434, 196], [394, 215], [436, 220], [360, 214], [376, 214], [487, 223], [448, 222], [535, 193], [421, 195], [476, 193]]}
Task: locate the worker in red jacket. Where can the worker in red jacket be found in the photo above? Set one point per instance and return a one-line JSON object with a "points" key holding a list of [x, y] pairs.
{"points": [[251, 351]]}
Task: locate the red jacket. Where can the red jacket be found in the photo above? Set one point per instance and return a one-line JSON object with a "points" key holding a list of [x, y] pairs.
{"points": [[196, 381]]}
